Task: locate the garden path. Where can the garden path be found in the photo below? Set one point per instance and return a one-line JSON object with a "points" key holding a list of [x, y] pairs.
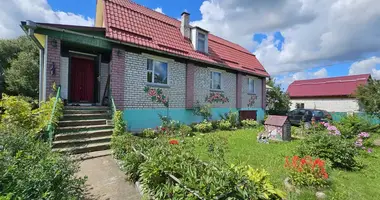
{"points": [[106, 181]]}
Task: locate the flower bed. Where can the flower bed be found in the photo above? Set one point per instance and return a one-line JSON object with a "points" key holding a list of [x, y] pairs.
{"points": [[169, 169]]}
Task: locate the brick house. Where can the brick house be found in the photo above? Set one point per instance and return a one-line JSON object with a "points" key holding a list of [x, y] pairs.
{"points": [[132, 47], [333, 94]]}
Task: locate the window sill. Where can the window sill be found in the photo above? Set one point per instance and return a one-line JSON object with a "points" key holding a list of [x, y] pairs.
{"points": [[216, 90], [251, 93], [157, 85]]}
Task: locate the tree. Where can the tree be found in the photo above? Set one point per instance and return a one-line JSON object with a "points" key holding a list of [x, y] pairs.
{"points": [[19, 59], [278, 102], [369, 97]]}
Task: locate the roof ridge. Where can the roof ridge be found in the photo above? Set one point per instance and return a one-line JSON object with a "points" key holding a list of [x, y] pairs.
{"points": [[325, 82], [164, 15], [336, 77], [132, 2]]}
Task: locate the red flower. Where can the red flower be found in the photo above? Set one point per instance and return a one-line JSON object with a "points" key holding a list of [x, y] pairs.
{"points": [[173, 141], [152, 92]]}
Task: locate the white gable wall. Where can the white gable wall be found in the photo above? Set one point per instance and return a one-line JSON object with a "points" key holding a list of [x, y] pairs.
{"points": [[328, 104]]}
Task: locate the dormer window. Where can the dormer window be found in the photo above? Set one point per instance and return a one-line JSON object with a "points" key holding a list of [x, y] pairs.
{"points": [[201, 43], [199, 38]]}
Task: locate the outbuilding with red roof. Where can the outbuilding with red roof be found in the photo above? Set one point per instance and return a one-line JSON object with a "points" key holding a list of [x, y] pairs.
{"points": [[147, 63], [335, 94]]}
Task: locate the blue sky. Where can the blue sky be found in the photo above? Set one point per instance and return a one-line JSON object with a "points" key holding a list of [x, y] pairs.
{"points": [[275, 44]]}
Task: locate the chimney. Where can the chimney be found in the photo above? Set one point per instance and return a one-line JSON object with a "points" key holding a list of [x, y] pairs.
{"points": [[185, 24]]}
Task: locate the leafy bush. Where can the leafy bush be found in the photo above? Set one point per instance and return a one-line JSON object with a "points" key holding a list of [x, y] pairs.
{"points": [[149, 133], [202, 110], [173, 157], [119, 123], [232, 117], [215, 124], [340, 152], [204, 127], [249, 123], [185, 130], [307, 172], [224, 125], [30, 170], [18, 112], [122, 147], [351, 126], [168, 126]]}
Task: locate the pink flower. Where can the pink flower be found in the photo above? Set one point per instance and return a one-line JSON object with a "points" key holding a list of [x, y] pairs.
{"points": [[369, 150]]}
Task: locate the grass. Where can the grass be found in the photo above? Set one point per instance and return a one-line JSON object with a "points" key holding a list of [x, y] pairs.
{"points": [[244, 149]]}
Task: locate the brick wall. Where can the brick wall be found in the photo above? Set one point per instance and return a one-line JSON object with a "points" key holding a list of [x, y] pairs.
{"points": [[136, 80], [118, 69], [202, 86], [53, 59], [190, 70], [239, 88], [258, 91]]}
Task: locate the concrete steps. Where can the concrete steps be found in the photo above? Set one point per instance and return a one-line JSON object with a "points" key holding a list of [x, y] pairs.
{"points": [[84, 130]]}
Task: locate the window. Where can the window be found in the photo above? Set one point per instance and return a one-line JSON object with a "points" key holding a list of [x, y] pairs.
{"points": [[201, 42], [157, 72], [300, 105], [251, 86], [216, 81]]}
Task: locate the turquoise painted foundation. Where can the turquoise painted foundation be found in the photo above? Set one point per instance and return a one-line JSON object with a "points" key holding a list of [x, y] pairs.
{"points": [[138, 119]]}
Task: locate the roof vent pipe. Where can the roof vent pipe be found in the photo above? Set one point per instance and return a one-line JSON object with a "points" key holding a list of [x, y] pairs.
{"points": [[185, 24]]}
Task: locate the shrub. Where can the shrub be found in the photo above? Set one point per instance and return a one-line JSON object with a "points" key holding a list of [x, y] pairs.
{"points": [[30, 170], [209, 180], [18, 112], [168, 126], [249, 123], [215, 124], [122, 147], [149, 133], [307, 172], [224, 125], [185, 130], [340, 152], [351, 126], [119, 123], [202, 110], [203, 127], [232, 117]]}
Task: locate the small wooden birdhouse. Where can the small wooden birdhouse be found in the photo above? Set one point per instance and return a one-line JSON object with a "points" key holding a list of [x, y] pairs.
{"points": [[278, 128]]}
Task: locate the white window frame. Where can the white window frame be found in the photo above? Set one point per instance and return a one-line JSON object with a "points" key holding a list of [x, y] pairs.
{"points": [[154, 59], [254, 90], [203, 40], [212, 82]]}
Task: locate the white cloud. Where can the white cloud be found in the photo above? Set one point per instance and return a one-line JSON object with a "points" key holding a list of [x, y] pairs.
{"points": [[286, 80], [159, 10], [316, 32], [367, 66], [14, 11]]}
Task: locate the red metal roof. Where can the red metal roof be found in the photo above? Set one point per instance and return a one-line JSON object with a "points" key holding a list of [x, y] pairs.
{"points": [[129, 22], [276, 120], [322, 87]]}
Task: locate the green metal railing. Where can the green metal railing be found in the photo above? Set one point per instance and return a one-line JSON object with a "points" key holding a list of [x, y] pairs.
{"points": [[50, 128]]}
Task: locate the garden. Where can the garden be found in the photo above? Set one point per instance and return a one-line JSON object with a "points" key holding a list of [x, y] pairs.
{"points": [[223, 160], [28, 167]]}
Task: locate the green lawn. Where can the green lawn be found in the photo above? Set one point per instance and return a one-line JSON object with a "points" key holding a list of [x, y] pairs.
{"points": [[244, 149]]}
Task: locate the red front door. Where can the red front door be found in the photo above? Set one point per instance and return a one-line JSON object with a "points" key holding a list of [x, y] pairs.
{"points": [[82, 80]]}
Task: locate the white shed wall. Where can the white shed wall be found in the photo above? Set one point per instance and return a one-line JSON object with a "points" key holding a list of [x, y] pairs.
{"points": [[329, 104]]}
